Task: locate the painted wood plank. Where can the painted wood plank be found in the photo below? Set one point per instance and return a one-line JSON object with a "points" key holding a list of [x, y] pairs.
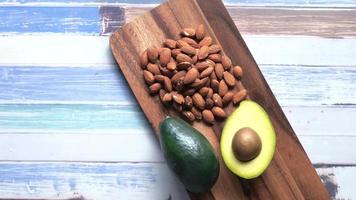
{"points": [[284, 3], [124, 181], [119, 145], [130, 181], [283, 21], [339, 180], [94, 51], [103, 20], [45, 20], [102, 133], [76, 85]]}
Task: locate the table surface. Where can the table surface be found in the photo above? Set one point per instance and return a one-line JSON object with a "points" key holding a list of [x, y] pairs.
{"points": [[70, 127]]}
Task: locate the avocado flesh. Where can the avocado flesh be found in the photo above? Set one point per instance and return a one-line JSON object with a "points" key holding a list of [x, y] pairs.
{"points": [[248, 114], [189, 155]]}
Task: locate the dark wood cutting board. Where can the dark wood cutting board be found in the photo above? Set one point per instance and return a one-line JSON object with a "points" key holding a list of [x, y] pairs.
{"points": [[291, 174]]}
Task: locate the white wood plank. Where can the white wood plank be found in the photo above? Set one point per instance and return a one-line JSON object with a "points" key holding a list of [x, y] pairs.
{"points": [[123, 146], [131, 181], [327, 134], [87, 51], [339, 180]]}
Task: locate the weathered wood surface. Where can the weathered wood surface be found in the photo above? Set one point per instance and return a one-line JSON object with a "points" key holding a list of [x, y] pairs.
{"points": [[320, 111], [281, 179], [104, 19]]}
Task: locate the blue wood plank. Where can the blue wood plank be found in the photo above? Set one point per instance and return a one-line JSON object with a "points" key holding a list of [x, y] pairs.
{"points": [[47, 117], [91, 180], [333, 3], [60, 19], [292, 85]]}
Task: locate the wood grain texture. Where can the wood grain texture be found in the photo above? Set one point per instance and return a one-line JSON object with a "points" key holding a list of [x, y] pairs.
{"points": [[321, 86], [94, 51], [336, 23], [104, 19], [59, 180], [165, 21], [132, 181], [287, 143], [282, 3]]}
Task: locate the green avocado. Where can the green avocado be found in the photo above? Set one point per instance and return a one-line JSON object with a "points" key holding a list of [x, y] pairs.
{"points": [[189, 155], [252, 119]]}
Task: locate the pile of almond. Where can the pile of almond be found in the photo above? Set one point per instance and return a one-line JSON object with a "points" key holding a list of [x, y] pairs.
{"points": [[192, 75]]}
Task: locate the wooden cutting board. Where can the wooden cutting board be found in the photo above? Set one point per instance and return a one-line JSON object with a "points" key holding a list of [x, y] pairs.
{"points": [[291, 174]]}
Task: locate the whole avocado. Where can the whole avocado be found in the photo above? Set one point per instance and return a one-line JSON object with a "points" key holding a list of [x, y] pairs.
{"points": [[189, 155]]}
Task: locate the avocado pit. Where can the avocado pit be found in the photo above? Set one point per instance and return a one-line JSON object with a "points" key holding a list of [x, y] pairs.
{"points": [[246, 144]]}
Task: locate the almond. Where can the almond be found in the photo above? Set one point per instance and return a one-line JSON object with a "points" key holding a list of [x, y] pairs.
{"points": [[172, 44], [197, 83], [227, 98], [218, 112], [210, 93], [191, 76], [167, 83], [208, 116], [207, 41], [226, 62], [177, 107], [172, 66], [154, 88], [167, 72], [159, 78], [188, 103], [217, 100], [144, 59], [179, 84], [237, 71], [189, 92], [209, 103], [178, 75], [204, 91], [148, 76], [214, 49], [181, 43], [191, 42], [165, 56], [184, 65], [200, 32], [206, 72], [161, 94], [188, 50], [219, 71], [210, 63], [214, 84], [153, 68], [213, 76], [188, 115], [195, 59], [188, 32], [175, 52], [239, 96], [223, 89], [205, 82], [201, 65], [215, 57], [183, 58], [196, 113], [167, 97], [229, 79], [152, 54], [203, 52], [178, 98], [198, 101]]}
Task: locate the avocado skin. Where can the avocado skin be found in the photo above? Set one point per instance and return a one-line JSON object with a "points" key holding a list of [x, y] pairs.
{"points": [[189, 155]]}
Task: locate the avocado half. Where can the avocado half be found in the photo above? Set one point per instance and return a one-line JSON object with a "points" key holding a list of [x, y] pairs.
{"points": [[252, 115]]}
